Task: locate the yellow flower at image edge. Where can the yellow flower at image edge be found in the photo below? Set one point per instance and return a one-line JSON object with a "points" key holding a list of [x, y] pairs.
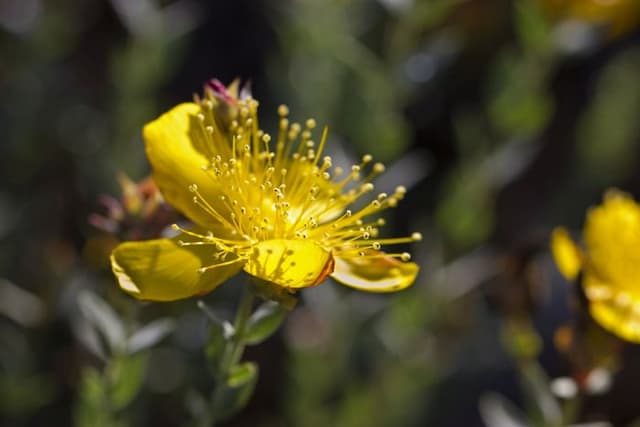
{"points": [[609, 262], [617, 17], [276, 209]]}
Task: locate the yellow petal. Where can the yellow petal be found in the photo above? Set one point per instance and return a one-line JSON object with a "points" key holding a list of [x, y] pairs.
{"points": [[612, 238], [290, 263], [163, 270], [379, 274], [615, 310], [178, 149], [567, 255]]}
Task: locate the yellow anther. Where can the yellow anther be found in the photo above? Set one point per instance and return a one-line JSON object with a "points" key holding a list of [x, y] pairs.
{"points": [[378, 168], [283, 110]]}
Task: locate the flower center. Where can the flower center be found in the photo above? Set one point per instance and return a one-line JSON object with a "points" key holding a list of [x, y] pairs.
{"points": [[285, 190]]}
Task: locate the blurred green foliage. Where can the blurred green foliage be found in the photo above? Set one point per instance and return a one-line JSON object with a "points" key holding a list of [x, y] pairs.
{"points": [[502, 117]]}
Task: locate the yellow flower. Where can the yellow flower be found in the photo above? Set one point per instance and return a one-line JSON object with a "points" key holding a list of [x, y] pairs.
{"points": [[276, 209], [609, 262], [616, 16]]}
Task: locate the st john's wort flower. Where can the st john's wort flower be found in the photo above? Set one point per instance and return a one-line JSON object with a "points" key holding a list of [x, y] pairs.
{"points": [[608, 262], [615, 17], [274, 207]]}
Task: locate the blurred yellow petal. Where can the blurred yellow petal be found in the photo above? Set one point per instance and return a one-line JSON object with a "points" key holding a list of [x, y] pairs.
{"points": [[566, 254], [290, 263], [612, 277], [615, 310], [164, 270], [617, 16], [612, 236], [375, 274], [178, 148]]}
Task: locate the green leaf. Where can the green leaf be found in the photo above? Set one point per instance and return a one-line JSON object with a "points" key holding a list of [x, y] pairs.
{"points": [[90, 338], [150, 334], [242, 374], [466, 214], [220, 333], [225, 328], [496, 411], [522, 340], [532, 26], [92, 386], [195, 403], [264, 322], [519, 104], [540, 403], [607, 133], [22, 394], [103, 318], [236, 391], [126, 375], [215, 349], [89, 406]]}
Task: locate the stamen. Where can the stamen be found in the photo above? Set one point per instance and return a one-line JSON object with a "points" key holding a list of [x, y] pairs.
{"points": [[222, 264], [290, 191]]}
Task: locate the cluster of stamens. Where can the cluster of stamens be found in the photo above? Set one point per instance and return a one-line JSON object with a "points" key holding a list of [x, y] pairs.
{"points": [[285, 189]]}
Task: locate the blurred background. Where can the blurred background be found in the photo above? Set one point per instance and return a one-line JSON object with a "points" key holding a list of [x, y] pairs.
{"points": [[503, 118]]}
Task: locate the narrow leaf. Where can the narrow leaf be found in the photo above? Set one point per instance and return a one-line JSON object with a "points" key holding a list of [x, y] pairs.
{"points": [[150, 334], [236, 391], [539, 401], [102, 316], [264, 322], [126, 375], [496, 411], [89, 337], [225, 327]]}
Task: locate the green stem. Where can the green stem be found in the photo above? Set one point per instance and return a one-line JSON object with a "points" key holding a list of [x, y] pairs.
{"points": [[571, 409], [240, 325], [234, 350]]}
